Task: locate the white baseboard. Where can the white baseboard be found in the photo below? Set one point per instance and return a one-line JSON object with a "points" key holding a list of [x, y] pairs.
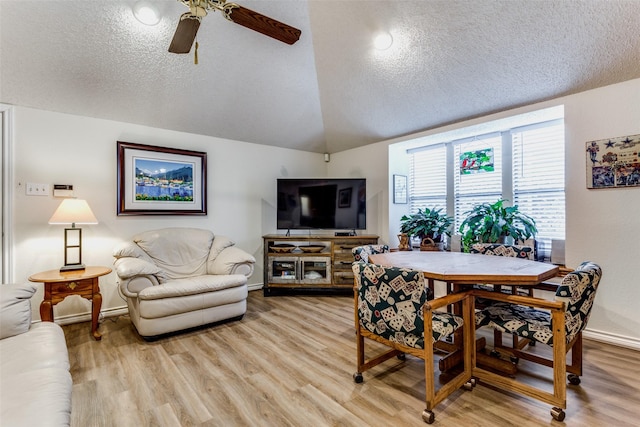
{"points": [[86, 317], [613, 339], [255, 287]]}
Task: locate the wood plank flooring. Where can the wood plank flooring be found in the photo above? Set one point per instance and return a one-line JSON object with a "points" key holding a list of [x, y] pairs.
{"points": [[289, 362]]}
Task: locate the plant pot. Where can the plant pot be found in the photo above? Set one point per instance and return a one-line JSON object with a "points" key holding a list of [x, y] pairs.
{"points": [[428, 244]]}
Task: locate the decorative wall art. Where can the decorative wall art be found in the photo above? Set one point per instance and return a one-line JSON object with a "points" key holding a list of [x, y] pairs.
{"points": [[399, 189], [614, 162], [476, 161], [161, 181]]}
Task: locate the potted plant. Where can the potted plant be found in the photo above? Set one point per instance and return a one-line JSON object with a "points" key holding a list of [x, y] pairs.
{"points": [[428, 225], [493, 223]]}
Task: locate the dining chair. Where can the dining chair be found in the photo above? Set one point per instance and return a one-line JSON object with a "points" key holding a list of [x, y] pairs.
{"points": [[538, 320], [503, 249], [393, 307], [361, 253], [506, 250]]}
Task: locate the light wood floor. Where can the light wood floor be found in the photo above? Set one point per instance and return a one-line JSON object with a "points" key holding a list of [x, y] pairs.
{"points": [[289, 362]]}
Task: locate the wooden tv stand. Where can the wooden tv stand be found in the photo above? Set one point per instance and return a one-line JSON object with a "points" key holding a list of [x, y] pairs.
{"points": [[324, 267]]}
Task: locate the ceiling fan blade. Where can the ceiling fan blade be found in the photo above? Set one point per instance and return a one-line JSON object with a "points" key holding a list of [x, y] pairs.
{"points": [[185, 34], [263, 24]]}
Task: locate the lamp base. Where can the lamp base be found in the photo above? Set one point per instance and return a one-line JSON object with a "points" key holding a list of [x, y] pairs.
{"points": [[72, 267]]}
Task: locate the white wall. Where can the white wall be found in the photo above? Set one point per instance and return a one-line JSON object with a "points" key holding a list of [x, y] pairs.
{"points": [[602, 225], [55, 148]]}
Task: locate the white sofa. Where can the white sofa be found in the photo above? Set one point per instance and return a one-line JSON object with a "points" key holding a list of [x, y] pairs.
{"points": [[34, 365], [180, 278]]}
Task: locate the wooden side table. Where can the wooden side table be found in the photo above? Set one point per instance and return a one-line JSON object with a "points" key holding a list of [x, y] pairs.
{"points": [[59, 285]]}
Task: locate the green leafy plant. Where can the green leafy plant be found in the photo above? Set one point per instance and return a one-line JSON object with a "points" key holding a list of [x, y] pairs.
{"points": [[430, 223], [492, 222]]}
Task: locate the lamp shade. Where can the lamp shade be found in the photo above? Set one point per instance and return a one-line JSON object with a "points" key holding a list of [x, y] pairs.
{"points": [[73, 211]]}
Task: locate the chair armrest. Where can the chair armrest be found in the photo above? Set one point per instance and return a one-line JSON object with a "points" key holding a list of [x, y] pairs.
{"points": [[127, 268], [232, 260], [135, 274], [446, 300], [133, 286], [521, 300], [15, 308]]}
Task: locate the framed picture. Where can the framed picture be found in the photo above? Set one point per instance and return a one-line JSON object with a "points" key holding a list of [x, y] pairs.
{"points": [[344, 198], [613, 162], [161, 181], [399, 189]]}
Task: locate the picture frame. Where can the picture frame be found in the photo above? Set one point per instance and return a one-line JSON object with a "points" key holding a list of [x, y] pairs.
{"points": [[344, 198], [155, 180], [400, 189], [613, 162]]}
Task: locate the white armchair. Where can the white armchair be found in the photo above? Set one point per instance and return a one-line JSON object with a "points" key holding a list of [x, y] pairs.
{"points": [[180, 278]]}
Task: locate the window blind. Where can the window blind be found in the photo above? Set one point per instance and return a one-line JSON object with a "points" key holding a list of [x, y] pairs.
{"points": [[538, 180], [427, 179]]}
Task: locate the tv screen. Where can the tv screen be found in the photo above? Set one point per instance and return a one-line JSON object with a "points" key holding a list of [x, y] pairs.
{"points": [[323, 203]]}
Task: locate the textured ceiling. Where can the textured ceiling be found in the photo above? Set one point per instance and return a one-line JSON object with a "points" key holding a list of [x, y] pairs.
{"points": [[331, 91]]}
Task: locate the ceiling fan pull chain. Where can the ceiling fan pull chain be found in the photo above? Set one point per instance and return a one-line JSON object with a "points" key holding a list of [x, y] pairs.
{"points": [[195, 57]]}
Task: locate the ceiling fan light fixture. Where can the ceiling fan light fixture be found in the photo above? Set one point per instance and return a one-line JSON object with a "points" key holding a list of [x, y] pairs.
{"points": [[383, 41], [146, 13]]}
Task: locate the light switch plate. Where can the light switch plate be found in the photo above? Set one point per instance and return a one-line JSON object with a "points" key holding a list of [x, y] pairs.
{"points": [[34, 189]]}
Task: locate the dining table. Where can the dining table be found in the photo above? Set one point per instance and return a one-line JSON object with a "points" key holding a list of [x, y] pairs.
{"points": [[460, 270]]}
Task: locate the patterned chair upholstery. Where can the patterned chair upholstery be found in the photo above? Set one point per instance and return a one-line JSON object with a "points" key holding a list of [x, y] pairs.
{"points": [[523, 317], [501, 249], [361, 253], [394, 307]]}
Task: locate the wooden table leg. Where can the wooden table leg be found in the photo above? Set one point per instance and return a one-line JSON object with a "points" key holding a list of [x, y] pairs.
{"points": [[46, 311], [96, 304], [455, 356], [46, 307]]}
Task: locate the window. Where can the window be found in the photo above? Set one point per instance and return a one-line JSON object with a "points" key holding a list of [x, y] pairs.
{"points": [[428, 179], [538, 179], [476, 181], [524, 165]]}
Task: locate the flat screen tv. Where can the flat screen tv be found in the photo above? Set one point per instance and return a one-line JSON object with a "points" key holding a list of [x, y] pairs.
{"points": [[322, 203]]}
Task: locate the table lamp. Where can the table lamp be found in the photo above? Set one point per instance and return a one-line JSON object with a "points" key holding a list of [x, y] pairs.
{"points": [[73, 211]]}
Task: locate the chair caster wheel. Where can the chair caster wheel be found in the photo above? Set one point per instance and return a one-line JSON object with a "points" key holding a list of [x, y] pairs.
{"points": [[402, 356], [357, 377], [514, 359], [573, 379], [557, 414], [428, 416], [494, 354]]}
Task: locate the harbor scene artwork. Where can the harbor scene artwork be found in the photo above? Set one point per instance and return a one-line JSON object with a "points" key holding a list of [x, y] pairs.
{"points": [[158, 180]]}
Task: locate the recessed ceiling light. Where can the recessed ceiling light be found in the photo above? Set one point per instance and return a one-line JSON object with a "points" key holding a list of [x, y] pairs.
{"points": [[383, 41], [146, 13]]}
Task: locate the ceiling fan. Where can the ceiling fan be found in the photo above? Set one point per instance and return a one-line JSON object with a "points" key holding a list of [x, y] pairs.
{"points": [[190, 22]]}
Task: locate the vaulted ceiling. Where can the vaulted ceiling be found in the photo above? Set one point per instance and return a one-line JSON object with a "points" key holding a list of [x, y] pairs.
{"points": [[451, 60]]}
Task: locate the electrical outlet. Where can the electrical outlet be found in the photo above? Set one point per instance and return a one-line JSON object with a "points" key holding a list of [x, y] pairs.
{"points": [[37, 189]]}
